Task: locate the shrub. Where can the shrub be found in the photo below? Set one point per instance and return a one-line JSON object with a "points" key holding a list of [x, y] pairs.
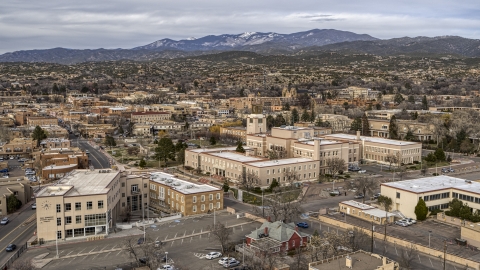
{"points": [[421, 210], [291, 252]]}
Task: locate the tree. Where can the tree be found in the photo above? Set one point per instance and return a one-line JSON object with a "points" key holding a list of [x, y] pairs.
{"points": [[319, 122], [335, 165], [398, 98], [356, 124], [13, 203], [391, 159], [213, 141], [295, 116], [120, 130], [440, 154], [55, 89], [270, 122], [22, 265], [421, 210], [304, 100], [240, 148], [366, 185], [386, 203], [142, 164], [145, 251], [165, 150], [181, 156], [466, 146], [393, 128], [365, 125], [407, 257], [431, 157], [221, 233], [305, 116], [280, 120], [411, 99], [409, 136], [110, 141], [424, 103], [225, 186], [39, 134], [286, 107], [248, 180]]}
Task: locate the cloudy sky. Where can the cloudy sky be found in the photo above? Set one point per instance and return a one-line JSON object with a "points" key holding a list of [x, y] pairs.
{"points": [[82, 24]]}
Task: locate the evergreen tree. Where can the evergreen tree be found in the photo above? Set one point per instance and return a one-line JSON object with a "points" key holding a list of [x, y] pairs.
{"points": [[393, 128], [225, 186], [409, 136], [295, 116], [120, 130], [55, 89], [142, 164], [240, 148], [319, 122], [286, 107], [13, 203], [270, 122], [356, 124], [411, 99], [213, 141], [39, 134], [398, 98], [365, 125], [439, 154], [110, 141], [305, 116], [421, 210], [165, 150], [424, 103], [312, 116], [280, 120]]}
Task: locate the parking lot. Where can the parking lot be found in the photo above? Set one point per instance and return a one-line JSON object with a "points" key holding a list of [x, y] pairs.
{"points": [[429, 232], [186, 240], [15, 171]]}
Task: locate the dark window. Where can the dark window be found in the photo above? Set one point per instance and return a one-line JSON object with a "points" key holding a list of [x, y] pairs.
{"points": [[68, 206], [59, 221], [89, 205], [68, 220], [59, 208], [78, 219], [100, 204], [78, 206], [398, 195]]}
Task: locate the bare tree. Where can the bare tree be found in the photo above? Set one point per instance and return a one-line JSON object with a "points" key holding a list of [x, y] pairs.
{"points": [[300, 260], [358, 239], [222, 234], [145, 253], [391, 159], [386, 203], [281, 206], [335, 165], [401, 172], [290, 177], [366, 185], [407, 256], [248, 180], [22, 265], [277, 153]]}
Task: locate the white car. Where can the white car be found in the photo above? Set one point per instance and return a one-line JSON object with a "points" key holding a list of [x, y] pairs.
{"points": [[30, 173], [166, 267], [362, 171], [213, 255], [225, 259], [4, 221], [406, 221]]}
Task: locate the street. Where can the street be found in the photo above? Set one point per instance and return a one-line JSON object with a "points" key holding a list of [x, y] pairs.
{"points": [[96, 157]]}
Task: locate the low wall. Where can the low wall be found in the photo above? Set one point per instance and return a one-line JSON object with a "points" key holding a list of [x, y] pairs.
{"points": [[253, 217], [124, 226], [403, 243], [230, 210], [169, 218]]}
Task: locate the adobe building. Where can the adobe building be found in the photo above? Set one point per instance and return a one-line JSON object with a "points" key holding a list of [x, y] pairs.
{"points": [[20, 189]]}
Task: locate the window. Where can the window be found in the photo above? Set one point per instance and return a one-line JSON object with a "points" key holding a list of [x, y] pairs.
{"points": [[89, 205], [59, 221], [218, 205], [59, 209], [218, 196], [210, 206], [194, 208], [78, 206], [194, 199], [100, 204], [68, 207], [144, 185], [123, 195], [144, 195], [398, 195], [123, 184], [95, 219], [59, 234], [134, 188], [203, 198], [203, 207], [78, 219], [68, 220]]}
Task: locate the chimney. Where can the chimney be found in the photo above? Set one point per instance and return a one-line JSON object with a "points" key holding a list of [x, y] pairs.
{"points": [[265, 231], [358, 135]]}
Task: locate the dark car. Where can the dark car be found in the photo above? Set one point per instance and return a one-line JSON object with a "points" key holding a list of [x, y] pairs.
{"points": [[140, 240], [11, 247], [358, 196], [143, 260], [4, 170], [302, 224]]}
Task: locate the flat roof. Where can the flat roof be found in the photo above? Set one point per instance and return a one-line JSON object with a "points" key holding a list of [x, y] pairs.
{"points": [[322, 142], [235, 156], [428, 184], [371, 139], [81, 182], [182, 186], [358, 205], [277, 162], [360, 261], [207, 150]]}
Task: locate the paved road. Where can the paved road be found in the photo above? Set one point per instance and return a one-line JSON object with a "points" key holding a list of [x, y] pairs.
{"points": [[16, 231], [97, 158]]}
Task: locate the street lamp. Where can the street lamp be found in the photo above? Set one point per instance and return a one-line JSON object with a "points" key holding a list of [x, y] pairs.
{"points": [[243, 253], [166, 257]]}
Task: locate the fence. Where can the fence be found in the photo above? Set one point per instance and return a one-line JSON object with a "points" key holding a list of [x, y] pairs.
{"points": [[15, 256]]}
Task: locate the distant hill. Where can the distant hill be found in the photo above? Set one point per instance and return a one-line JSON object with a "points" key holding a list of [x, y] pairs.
{"points": [[316, 40]]}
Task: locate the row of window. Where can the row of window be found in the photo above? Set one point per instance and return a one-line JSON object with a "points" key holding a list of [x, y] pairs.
{"points": [[438, 207], [292, 168], [78, 206], [90, 220], [436, 196], [202, 207], [465, 197]]}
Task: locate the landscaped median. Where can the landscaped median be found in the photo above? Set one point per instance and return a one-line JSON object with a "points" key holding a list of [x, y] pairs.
{"points": [[403, 243]]}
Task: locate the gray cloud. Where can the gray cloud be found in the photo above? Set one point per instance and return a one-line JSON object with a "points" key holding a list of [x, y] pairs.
{"points": [[125, 23]]}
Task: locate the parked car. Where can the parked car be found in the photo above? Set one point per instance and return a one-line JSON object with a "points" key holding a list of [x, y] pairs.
{"points": [[302, 224], [231, 264], [86, 151], [411, 220], [30, 173], [5, 170], [34, 206], [11, 247], [143, 260], [375, 196], [451, 170], [335, 192], [401, 223], [4, 221], [225, 259], [158, 243], [213, 255], [140, 240], [359, 196], [406, 221], [362, 171], [166, 267]]}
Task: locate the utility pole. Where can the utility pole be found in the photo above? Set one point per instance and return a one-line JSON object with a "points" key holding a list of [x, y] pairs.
{"points": [[444, 253], [263, 208], [371, 248]]}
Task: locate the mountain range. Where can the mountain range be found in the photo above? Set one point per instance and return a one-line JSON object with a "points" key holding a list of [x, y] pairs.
{"points": [[262, 43]]}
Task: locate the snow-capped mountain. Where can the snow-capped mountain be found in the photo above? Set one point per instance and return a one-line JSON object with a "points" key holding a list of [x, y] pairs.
{"points": [[313, 37]]}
